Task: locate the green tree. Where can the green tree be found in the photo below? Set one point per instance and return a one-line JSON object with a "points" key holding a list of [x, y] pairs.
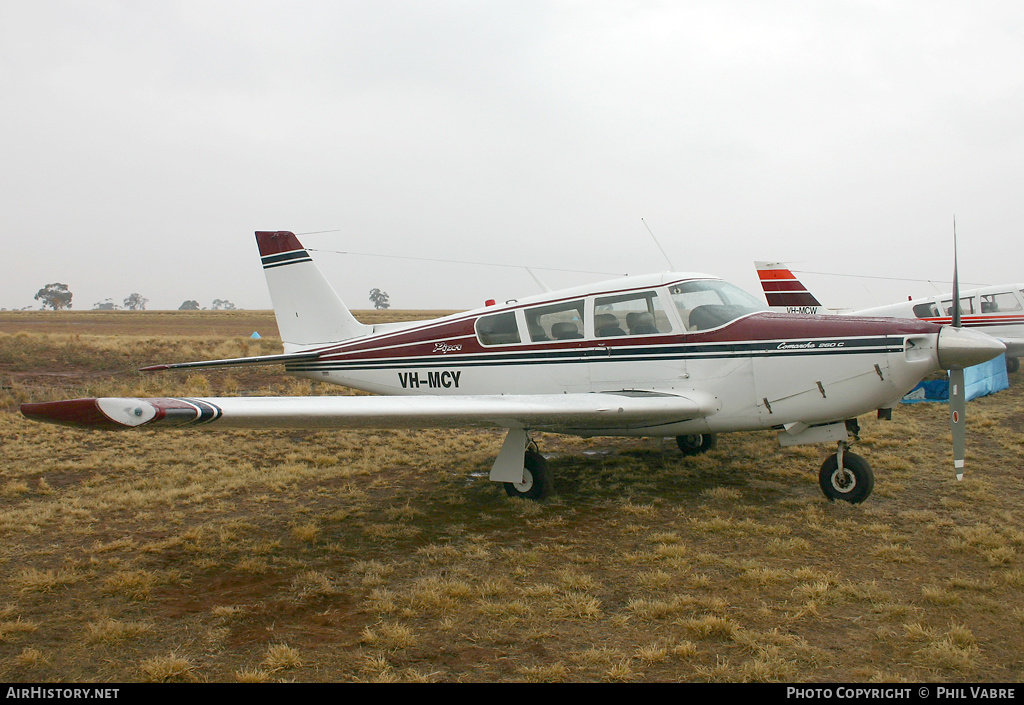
{"points": [[379, 298], [56, 296], [190, 305], [136, 302]]}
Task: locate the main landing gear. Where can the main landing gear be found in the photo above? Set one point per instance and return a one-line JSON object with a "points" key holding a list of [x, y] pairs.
{"points": [[536, 482], [846, 476], [696, 443]]}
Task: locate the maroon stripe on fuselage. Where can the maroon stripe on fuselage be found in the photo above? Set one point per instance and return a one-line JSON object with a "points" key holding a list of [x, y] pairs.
{"points": [[414, 342], [773, 326], [422, 341]]}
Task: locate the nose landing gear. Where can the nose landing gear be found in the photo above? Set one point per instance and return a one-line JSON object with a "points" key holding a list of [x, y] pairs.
{"points": [[846, 476]]}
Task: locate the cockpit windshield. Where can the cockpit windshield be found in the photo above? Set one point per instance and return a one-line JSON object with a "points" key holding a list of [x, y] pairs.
{"points": [[709, 303]]}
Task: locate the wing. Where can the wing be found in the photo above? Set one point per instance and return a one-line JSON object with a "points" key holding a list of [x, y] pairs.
{"points": [[586, 413]]}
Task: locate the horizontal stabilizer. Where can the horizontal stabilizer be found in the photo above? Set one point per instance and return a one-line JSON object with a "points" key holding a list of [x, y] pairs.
{"points": [[586, 412], [236, 362]]}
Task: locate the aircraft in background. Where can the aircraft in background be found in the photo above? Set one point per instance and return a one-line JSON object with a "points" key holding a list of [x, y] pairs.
{"points": [[995, 310], [679, 355]]}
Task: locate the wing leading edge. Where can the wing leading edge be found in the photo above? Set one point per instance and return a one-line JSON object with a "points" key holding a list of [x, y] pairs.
{"points": [[587, 413]]}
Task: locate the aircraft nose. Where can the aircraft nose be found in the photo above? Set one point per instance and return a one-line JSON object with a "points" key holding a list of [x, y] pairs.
{"points": [[961, 347]]}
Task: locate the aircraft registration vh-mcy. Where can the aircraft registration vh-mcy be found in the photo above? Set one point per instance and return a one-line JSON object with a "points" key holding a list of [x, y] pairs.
{"points": [[672, 355]]}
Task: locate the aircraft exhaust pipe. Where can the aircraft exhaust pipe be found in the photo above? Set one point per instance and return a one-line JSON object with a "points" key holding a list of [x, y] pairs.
{"points": [[961, 347]]}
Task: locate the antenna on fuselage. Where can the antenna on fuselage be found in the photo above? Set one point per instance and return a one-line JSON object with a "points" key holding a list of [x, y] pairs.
{"points": [[663, 254], [542, 285]]}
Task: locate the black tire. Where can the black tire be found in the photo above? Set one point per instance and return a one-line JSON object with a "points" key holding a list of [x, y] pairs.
{"points": [[853, 484], [696, 443], [1012, 364], [536, 482]]}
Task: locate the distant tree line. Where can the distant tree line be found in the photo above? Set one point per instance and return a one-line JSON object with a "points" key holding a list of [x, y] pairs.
{"points": [[218, 305], [58, 297], [135, 302]]}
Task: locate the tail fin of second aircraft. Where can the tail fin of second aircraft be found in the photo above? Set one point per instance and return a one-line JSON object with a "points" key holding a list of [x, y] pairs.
{"points": [[783, 290], [309, 312]]}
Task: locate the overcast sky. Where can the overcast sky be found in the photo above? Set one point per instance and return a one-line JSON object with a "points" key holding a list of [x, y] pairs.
{"points": [[144, 142]]}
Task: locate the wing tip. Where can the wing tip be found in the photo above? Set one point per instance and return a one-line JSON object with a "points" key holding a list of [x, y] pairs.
{"points": [[76, 413]]}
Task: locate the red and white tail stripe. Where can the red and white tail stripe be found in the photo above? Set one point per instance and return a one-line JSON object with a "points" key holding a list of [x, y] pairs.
{"points": [[782, 289]]}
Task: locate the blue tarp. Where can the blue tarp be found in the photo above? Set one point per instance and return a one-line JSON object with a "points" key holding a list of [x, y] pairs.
{"points": [[980, 380]]}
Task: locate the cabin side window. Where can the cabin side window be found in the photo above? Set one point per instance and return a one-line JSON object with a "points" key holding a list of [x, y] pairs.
{"points": [[498, 329], [966, 306], [927, 310], [630, 314], [561, 321], [709, 303], [996, 303]]}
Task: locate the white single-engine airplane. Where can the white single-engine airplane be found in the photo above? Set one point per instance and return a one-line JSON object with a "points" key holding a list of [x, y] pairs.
{"points": [[683, 355], [996, 310]]}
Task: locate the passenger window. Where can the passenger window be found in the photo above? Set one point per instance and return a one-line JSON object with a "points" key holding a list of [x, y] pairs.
{"points": [[630, 314], [927, 310], [563, 321], [966, 306], [498, 329], [1003, 301]]}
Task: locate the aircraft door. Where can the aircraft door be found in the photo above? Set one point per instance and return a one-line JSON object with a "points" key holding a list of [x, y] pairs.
{"points": [[632, 349]]}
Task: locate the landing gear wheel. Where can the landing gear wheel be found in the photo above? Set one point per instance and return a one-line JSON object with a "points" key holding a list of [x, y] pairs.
{"points": [[852, 483], [1012, 364], [536, 482], [696, 443]]}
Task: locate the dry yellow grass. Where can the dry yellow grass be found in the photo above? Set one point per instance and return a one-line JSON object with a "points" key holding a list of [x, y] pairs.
{"points": [[387, 556]]}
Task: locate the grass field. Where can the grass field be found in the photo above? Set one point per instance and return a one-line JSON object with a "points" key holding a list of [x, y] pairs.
{"points": [[389, 556]]}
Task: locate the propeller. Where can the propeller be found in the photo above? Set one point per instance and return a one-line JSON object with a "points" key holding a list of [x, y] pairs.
{"points": [[957, 394]]}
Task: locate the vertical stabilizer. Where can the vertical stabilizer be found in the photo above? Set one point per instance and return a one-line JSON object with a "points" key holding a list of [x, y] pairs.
{"points": [[783, 291], [308, 310]]}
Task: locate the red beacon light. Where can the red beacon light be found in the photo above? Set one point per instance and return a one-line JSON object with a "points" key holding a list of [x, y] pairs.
{"points": [[489, 302]]}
